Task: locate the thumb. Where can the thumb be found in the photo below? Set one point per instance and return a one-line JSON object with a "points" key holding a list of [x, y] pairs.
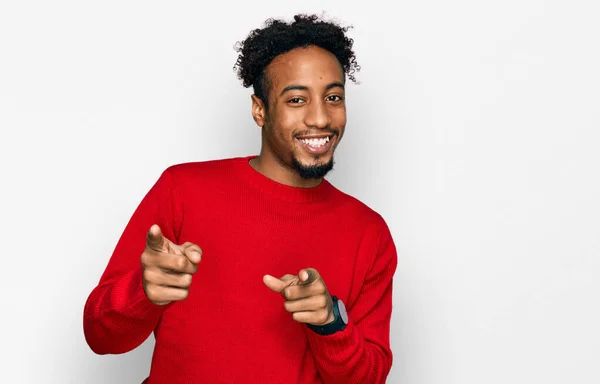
{"points": [[274, 284], [308, 275], [155, 239]]}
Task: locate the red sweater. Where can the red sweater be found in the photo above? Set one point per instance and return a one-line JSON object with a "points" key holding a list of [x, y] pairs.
{"points": [[232, 328]]}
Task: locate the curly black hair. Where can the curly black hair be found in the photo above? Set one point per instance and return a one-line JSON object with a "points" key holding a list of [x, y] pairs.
{"points": [[277, 37]]}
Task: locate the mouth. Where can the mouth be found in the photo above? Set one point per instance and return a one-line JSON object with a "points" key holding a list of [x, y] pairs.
{"points": [[316, 145]]}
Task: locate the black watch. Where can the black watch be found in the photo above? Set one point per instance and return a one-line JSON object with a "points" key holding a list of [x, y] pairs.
{"points": [[340, 319]]}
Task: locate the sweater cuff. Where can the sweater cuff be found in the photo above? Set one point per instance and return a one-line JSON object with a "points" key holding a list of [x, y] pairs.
{"points": [[135, 303], [337, 344]]}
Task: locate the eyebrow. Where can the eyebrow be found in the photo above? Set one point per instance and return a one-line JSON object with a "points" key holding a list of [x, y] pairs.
{"points": [[294, 87]]}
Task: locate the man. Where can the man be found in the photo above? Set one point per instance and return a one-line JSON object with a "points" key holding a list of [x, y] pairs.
{"points": [[256, 269]]}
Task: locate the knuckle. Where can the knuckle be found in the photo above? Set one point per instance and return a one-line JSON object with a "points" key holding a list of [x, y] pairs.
{"points": [[145, 258], [150, 292], [146, 275], [323, 316], [186, 279], [184, 294], [180, 262], [322, 301]]}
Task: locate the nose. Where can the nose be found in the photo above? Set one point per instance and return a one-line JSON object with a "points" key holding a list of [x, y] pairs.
{"points": [[317, 115]]}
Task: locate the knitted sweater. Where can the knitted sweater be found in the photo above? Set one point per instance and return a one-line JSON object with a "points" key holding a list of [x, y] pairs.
{"points": [[232, 328]]}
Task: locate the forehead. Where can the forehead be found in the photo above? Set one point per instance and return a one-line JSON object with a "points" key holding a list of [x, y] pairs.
{"points": [[311, 67]]}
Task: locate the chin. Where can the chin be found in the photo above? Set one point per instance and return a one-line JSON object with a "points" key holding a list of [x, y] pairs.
{"points": [[314, 168]]}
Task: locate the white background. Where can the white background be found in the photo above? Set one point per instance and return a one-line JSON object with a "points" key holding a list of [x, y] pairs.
{"points": [[474, 132]]}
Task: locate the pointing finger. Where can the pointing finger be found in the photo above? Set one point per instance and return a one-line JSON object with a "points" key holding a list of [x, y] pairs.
{"points": [[300, 291], [289, 279], [274, 284], [155, 239]]}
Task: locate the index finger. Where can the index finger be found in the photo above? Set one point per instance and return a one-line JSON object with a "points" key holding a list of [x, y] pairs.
{"points": [[155, 239]]}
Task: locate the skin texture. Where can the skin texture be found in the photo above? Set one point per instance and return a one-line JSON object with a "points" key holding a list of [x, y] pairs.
{"points": [[318, 108]]}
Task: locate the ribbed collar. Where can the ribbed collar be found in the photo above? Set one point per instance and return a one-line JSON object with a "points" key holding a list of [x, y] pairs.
{"points": [[320, 193]]}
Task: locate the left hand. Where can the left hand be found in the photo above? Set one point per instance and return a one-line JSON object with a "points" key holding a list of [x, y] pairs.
{"points": [[306, 296]]}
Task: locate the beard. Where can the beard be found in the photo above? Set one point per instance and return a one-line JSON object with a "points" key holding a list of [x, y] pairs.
{"points": [[315, 171], [306, 172]]}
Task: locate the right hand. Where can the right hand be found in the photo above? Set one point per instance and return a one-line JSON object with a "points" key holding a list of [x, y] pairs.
{"points": [[167, 268]]}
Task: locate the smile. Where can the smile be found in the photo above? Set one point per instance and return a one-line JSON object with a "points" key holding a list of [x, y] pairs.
{"points": [[316, 145]]}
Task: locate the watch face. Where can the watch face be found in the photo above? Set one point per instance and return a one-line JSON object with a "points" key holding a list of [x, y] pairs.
{"points": [[343, 313]]}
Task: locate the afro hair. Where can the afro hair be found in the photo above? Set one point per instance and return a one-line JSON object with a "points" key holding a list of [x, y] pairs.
{"points": [[277, 37]]}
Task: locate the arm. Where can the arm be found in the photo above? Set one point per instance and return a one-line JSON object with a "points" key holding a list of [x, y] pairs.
{"points": [[117, 315], [361, 352]]}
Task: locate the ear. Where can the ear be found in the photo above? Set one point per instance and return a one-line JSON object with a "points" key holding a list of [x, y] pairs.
{"points": [[258, 110]]}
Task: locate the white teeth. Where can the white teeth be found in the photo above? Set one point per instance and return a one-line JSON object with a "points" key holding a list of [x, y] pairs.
{"points": [[316, 142]]}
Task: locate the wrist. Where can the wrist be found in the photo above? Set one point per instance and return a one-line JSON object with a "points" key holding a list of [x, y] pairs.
{"points": [[331, 318], [331, 312], [337, 320]]}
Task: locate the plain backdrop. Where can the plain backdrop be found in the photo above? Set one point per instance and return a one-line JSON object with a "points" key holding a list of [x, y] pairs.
{"points": [[475, 132]]}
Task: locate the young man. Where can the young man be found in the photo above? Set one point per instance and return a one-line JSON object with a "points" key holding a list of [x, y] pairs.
{"points": [[256, 269]]}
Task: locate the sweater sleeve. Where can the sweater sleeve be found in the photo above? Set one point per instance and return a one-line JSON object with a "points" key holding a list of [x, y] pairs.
{"points": [[361, 352], [118, 316]]}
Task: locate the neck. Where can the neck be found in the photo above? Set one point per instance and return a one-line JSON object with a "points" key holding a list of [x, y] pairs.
{"points": [[270, 167]]}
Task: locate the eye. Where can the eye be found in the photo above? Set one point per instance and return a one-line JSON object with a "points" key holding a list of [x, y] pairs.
{"points": [[295, 100], [334, 98]]}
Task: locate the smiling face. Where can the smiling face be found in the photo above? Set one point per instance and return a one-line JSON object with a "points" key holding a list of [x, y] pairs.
{"points": [[305, 118]]}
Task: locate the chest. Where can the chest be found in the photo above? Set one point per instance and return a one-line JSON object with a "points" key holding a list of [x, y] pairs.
{"points": [[242, 242]]}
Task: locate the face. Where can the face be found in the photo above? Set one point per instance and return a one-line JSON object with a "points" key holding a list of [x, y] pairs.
{"points": [[306, 113]]}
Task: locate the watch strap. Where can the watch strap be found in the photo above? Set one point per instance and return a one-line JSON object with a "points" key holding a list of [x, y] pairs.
{"points": [[336, 325]]}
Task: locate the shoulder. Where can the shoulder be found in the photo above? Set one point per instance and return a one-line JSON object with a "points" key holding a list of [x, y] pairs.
{"points": [[354, 216], [207, 166], [356, 210], [372, 231], [207, 170]]}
